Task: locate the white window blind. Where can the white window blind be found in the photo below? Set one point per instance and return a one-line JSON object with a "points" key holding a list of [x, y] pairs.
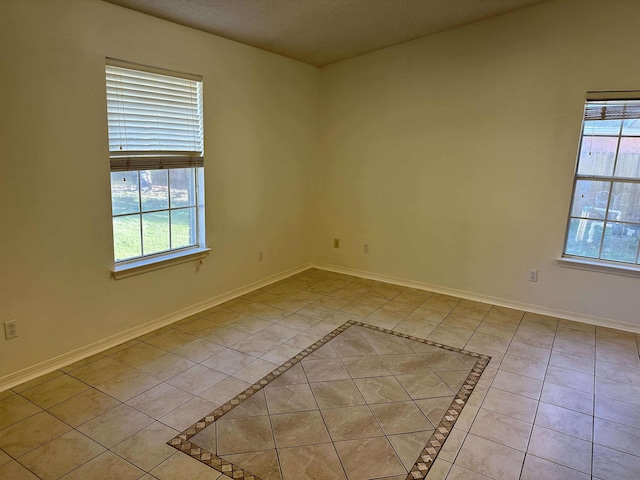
{"points": [[155, 120], [612, 110]]}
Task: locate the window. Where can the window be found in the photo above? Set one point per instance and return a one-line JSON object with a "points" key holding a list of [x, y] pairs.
{"points": [[156, 156], [604, 220]]}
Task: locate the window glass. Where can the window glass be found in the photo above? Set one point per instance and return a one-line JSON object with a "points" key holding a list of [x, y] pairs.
{"points": [[604, 220]]}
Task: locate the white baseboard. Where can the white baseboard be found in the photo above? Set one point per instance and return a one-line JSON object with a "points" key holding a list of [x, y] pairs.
{"points": [[527, 307], [68, 358]]}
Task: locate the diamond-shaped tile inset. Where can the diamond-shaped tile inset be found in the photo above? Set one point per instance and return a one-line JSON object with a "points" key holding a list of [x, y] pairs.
{"points": [[363, 402]]}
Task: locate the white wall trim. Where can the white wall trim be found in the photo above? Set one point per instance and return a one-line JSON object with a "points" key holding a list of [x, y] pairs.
{"points": [[68, 358], [502, 302]]}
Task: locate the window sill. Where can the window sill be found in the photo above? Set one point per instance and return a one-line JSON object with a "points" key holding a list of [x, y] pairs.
{"points": [[150, 264], [600, 266]]}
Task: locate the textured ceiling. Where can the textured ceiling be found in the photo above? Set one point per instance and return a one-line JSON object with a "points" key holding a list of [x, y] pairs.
{"points": [[320, 32]]}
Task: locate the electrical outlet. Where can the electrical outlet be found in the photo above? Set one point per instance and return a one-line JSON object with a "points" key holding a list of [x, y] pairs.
{"points": [[260, 256], [336, 243], [10, 329], [365, 248], [533, 275]]}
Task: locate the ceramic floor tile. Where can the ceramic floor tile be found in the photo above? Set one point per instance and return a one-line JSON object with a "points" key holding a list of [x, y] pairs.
{"points": [[518, 384], [254, 406], [578, 363], [442, 361], [621, 391], [400, 417], [198, 350], [300, 428], [106, 466], [138, 354], [84, 362], [617, 357], [14, 471], [424, 385], [325, 370], [228, 361], [575, 325], [16, 408], [30, 433], [4, 458], [490, 459], [408, 446], [181, 467], [481, 340], [439, 470], [126, 386], [255, 371], [83, 407], [617, 411], [338, 393], [54, 391], [313, 462], [349, 423], [280, 354], [567, 398], [467, 417], [32, 383], [147, 448], [565, 421], [524, 366], [575, 335], [533, 333], [381, 389], [369, 458], [574, 348], [224, 391], [257, 344], [225, 336], [171, 340], [570, 379], [166, 366], [434, 408], [114, 426], [560, 448], [290, 398], [184, 415], [240, 435], [609, 464], [501, 429], [61, 455], [519, 349], [264, 463], [196, 379], [537, 468], [100, 371], [616, 436], [159, 400], [362, 367], [452, 446], [618, 373]]}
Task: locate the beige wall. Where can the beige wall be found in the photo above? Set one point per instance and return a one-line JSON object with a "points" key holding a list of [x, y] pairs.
{"points": [[55, 236], [452, 156]]}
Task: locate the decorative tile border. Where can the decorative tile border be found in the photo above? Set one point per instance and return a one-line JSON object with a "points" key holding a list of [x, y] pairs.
{"points": [[428, 455]]}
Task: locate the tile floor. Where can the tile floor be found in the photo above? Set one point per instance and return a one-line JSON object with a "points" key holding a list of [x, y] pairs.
{"points": [[559, 399], [361, 403]]}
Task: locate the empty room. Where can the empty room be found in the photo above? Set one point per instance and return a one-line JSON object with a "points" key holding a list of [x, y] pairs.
{"points": [[319, 240]]}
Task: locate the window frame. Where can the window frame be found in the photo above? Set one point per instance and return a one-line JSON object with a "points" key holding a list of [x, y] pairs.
{"points": [[149, 158], [603, 265]]}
